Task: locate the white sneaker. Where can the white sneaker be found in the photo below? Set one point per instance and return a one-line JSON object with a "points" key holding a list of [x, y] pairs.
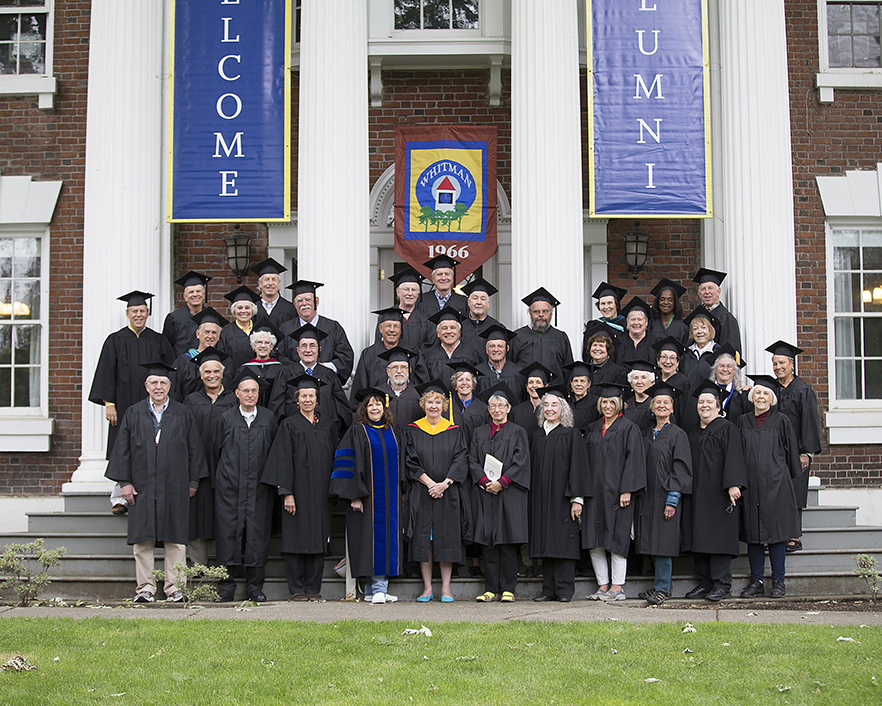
{"points": [[378, 599], [390, 598]]}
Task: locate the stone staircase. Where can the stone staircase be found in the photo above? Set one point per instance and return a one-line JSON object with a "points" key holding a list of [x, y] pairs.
{"points": [[98, 565]]}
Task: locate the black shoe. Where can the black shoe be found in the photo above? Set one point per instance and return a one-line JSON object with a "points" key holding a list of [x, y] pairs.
{"points": [[698, 592], [718, 594], [257, 597], [645, 595], [225, 597], [543, 598], [778, 589], [793, 545], [754, 589], [476, 571], [658, 597], [565, 599]]}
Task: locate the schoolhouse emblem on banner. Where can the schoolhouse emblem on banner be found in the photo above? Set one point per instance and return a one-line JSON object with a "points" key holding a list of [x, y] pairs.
{"points": [[445, 195]]}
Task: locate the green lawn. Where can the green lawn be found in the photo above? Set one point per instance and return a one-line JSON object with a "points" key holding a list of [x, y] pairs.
{"points": [[143, 661]]}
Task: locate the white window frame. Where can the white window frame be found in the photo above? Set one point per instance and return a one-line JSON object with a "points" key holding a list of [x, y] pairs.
{"points": [[828, 79], [428, 33], [42, 85]]}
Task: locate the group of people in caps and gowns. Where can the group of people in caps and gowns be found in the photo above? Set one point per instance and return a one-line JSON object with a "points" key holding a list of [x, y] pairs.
{"points": [[459, 439]]}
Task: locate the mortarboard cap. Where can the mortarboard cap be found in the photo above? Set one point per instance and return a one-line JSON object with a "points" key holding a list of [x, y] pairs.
{"points": [[266, 325], [706, 275], [407, 275], [209, 316], [784, 348], [669, 344], [308, 331], [242, 293], [136, 298], [441, 262], [605, 289], [391, 313], [536, 370], [268, 267], [306, 382], [609, 389], [209, 353], [191, 279], [540, 295], [497, 332], [557, 390], [247, 372], [640, 364], [304, 286], [500, 389], [664, 388], [432, 386], [726, 349], [600, 327], [636, 303], [448, 313], [765, 381], [678, 289], [157, 368], [366, 392], [462, 366], [479, 285], [710, 387], [701, 311], [397, 354], [578, 368]]}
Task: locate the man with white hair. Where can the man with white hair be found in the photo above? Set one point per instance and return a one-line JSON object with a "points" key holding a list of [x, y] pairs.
{"points": [[404, 400], [271, 304], [441, 294], [709, 287], [448, 348], [478, 318], [185, 380], [416, 330], [158, 462]]}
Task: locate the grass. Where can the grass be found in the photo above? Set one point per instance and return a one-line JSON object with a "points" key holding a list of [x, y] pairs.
{"points": [[143, 661]]}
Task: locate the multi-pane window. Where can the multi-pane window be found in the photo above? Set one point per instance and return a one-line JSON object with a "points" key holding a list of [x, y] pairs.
{"points": [[857, 296], [436, 14], [24, 36], [853, 34], [21, 323]]}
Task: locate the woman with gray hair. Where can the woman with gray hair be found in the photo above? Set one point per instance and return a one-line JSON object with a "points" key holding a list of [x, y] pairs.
{"points": [[769, 514], [559, 485], [726, 374], [618, 465], [696, 361], [235, 339], [264, 367], [640, 377]]}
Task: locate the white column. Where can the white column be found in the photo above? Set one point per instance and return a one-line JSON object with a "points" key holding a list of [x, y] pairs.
{"points": [[752, 234], [124, 227], [547, 160], [333, 239]]}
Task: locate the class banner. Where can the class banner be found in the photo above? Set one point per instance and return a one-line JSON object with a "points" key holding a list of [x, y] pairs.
{"points": [[649, 109], [230, 111], [445, 195]]}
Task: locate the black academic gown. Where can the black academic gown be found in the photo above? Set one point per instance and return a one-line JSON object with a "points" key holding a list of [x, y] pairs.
{"points": [[162, 474], [618, 465], [441, 522], [417, 331], [119, 377], [501, 518], [267, 372], [237, 344], [717, 465], [798, 403], [626, 350], [335, 347], [698, 369], [585, 412], [371, 369], [769, 512], [617, 324], [639, 412], [369, 466], [428, 303], [405, 408], [668, 469], [471, 333], [510, 375], [677, 328], [524, 415], [551, 348], [243, 505], [729, 331], [609, 372], [282, 312], [436, 359], [207, 417], [332, 400], [682, 403], [299, 464], [185, 380], [179, 330], [558, 473], [471, 417]]}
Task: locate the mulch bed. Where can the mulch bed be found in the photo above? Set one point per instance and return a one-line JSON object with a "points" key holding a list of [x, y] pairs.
{"points": [[855, 604]]}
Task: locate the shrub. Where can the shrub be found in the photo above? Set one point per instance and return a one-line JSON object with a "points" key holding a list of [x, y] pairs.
{"points": [[199, 581], [18, 563], [866, 569]]}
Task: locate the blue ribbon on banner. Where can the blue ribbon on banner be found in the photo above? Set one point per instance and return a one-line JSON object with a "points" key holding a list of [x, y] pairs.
{"points": [[230, 111], [649, 126]]}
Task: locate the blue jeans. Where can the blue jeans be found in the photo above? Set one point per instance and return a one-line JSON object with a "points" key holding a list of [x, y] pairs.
{"points": [[378, 584], [664, 568]]}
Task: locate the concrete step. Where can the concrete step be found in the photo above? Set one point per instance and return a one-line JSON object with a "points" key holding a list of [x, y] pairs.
{"points": [[817, 561], [86, 503], [829, 516], [864, 536]]}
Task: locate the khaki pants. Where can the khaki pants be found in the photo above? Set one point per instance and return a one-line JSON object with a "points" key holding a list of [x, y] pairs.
{"points": [[143, 552]]}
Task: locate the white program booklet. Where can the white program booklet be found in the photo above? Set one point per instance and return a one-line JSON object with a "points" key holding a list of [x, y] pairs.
{"points": [[492, 467]]}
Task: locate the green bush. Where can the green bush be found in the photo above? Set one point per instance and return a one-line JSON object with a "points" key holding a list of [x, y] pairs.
{"points": [[199, 581], [18, 563], [866, 569]]}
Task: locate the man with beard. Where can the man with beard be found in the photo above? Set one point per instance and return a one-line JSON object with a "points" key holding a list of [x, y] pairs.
{"points": [[540, 341], [497, 367], [404, 400]]}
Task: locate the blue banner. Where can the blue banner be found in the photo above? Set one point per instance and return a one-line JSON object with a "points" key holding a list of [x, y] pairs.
{"points": [[230, 111], [649, 109]]}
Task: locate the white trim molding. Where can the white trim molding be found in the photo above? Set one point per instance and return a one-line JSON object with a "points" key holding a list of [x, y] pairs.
{"points": [[828, 79]]}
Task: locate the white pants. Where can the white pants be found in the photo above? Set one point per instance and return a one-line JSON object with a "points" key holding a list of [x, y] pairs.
{"points": [[601, 567], [116, 497]]}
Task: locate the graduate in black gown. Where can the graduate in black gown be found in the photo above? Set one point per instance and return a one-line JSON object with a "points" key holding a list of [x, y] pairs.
{"points": [[499, 496], [609, 303], [417, 331], [235, 339], [369, 475], [526, 413], [185, 379], [769, 514], [497, 367], [179, 327], [560, 484], [668, 479], [477, 320], [436, 468], [640, 378], [264, 366], [441, 294], [618, 470], [582, 401], [272, 306], [120, 375], [371, 368], [540, 341], [710, 514], [469, 411], [404, 400], [797, 402], [448, 346], [667, 311], [243, 504], [728, 330], [299, 465], [206, 405], [600, 351], [699, 355], [726, 373], [635, 342], [669, 353]]}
